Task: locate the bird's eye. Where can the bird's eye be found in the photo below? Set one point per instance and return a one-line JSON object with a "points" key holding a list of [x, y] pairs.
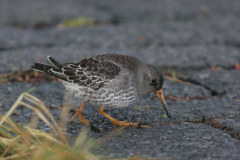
{"points": [[154, 80]]}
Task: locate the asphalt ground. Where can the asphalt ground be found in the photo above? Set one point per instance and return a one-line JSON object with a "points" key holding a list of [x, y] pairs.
{"points": [[195, 41]]}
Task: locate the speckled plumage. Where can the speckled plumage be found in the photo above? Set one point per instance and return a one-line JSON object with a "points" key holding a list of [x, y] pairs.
{"points": [[107, 81]]}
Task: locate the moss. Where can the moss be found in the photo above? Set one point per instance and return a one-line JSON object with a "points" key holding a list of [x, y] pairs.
{"points": [[78, 22]]}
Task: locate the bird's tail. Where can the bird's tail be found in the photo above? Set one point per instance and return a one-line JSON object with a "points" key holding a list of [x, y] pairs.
{"points": [[54, 70]]}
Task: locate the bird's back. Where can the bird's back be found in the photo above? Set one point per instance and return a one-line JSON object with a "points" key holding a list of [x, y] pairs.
{"points": [[124, 61]]}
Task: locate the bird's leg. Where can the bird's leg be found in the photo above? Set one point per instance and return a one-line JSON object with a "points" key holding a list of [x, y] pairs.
{"points": [[80, 116], [114, 121]]}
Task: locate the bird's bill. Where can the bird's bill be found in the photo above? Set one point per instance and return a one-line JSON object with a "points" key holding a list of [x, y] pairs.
{"points": [[162, 99]]}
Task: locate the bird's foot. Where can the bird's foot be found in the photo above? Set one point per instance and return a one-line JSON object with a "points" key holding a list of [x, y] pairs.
{"points": [[83, 120], [80, 116], [124, 123]]}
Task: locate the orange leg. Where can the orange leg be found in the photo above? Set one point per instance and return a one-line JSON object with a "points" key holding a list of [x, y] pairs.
{"points": [[114, 121], [80, 116]]}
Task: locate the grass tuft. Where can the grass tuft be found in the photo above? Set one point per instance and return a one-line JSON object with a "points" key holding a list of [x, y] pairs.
{"points": [[27, 142]]}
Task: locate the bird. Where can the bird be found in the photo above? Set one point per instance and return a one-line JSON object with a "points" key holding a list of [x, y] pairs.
{"points": [[107, 81]]}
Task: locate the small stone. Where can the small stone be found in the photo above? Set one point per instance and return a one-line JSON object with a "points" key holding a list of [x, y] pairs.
{"points": [[111, 155], [226, 135], [169, 131], [48, 130], [144, 142], [131, 153], [132, 141]]}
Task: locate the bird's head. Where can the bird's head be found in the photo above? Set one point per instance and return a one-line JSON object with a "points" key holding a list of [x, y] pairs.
{"points": [[152, 81]]}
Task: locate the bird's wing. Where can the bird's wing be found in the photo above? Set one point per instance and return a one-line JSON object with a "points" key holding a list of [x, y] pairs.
{"points": [[89, 72]]}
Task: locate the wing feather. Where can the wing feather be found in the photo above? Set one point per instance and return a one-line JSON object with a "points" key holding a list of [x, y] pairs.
{"points": [[89, 72]]}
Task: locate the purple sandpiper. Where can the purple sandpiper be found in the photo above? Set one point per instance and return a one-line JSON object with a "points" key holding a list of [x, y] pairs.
{"points": [[107, 81]]}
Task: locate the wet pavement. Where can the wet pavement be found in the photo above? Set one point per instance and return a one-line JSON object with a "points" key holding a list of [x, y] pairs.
{"points": [[197, 42]]}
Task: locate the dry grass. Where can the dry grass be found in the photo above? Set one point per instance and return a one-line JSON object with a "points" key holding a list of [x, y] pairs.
{"points": [[17, 142]]}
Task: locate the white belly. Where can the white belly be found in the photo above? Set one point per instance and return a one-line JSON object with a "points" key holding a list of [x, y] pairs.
{"points": [[110, 96]]}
